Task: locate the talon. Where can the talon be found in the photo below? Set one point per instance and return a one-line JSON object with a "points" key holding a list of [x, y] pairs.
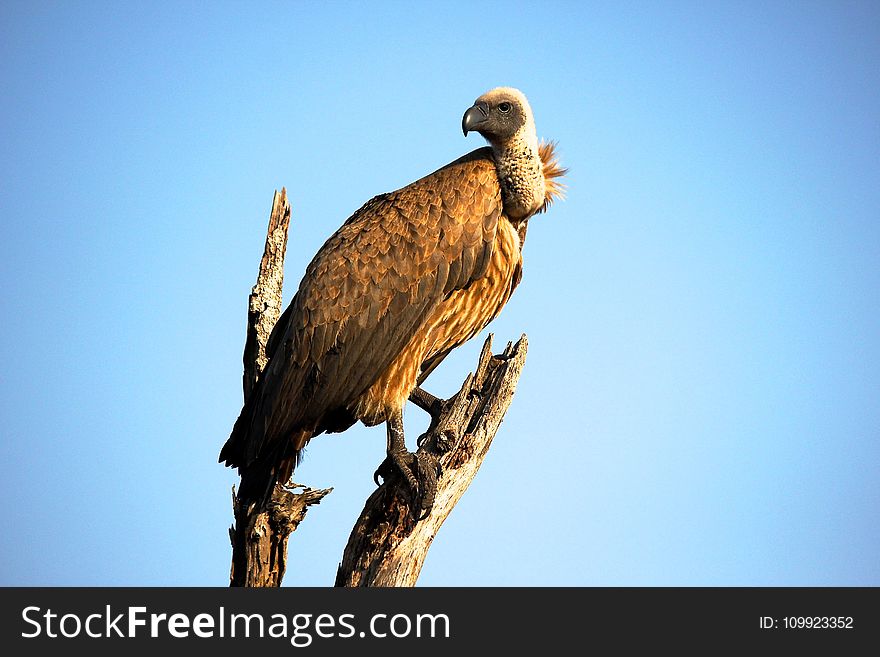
{"points": [[402, 460], [385, 471], [429, 469], [420, 469]]}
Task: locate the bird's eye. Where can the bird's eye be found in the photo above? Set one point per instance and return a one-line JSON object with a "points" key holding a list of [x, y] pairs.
{"points": [[504, 107]]}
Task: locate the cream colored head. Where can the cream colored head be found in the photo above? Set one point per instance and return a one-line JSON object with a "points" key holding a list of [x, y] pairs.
{"points": [[502, 116]]}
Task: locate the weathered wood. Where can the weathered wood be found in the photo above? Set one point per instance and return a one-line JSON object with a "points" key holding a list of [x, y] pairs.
{"points": [[387, 547], [259, 536], [264, 303], [259, 539]]}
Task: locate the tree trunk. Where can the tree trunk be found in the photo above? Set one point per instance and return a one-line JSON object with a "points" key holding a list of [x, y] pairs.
{"points": [[259, 536]]}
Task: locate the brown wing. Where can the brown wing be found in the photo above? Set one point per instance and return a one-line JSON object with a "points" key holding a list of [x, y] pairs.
{"points": [[366, 293], [554, 189]]}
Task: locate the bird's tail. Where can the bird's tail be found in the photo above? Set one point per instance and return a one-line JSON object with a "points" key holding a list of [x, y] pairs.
{"points": [[274, 466], [263, 459]]}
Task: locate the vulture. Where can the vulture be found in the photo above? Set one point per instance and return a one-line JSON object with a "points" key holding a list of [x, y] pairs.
{"points": [[409, 277]]}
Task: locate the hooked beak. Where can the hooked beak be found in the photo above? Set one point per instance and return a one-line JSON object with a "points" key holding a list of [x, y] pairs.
{"points": [[474, 117]]}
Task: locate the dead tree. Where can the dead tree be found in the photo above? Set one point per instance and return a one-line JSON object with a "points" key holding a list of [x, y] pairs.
{"points": [[387, 546], [259, 536]]}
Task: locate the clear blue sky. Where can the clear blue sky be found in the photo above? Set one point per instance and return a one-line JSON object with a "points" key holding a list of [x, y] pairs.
{"points": [[701, 400]]}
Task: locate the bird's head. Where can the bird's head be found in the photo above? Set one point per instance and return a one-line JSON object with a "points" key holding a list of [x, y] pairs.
{"points": [[500, 115]]}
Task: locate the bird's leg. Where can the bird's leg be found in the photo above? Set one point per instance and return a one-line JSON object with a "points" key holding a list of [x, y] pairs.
{"points": [[427, 402], [420, 476], [434, 406], [397, 451], [397, 457]]}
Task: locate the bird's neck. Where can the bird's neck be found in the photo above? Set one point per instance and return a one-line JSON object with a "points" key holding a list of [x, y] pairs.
{"points": [[521, 175]]}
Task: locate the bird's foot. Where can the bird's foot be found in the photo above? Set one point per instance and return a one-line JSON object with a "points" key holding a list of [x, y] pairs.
{"points": [[432, 405], [420, 471]]}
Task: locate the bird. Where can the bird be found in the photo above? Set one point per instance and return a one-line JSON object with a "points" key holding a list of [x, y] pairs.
{"points": [[409, 277]]}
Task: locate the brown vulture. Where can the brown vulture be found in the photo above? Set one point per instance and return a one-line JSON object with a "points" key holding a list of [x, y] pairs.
{"points": [[409, 277]]}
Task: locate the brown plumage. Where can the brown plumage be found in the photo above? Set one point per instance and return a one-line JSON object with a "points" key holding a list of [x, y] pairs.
{"points": [[410, 276]]}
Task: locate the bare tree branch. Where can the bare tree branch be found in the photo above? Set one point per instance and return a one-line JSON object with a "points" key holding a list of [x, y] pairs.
{"points": [[264, 303], [259, 536]]}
